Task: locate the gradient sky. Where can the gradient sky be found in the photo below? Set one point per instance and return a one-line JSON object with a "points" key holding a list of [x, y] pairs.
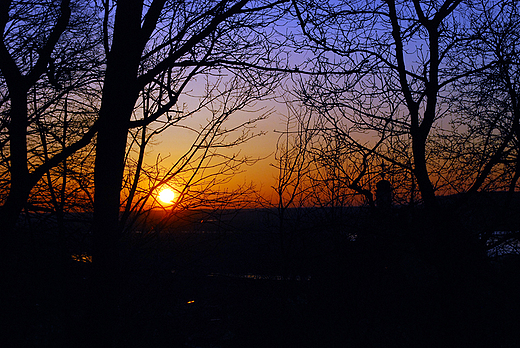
{"points": [[174, 142]]}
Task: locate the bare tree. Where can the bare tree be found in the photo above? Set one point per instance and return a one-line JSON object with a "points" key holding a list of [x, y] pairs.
{"points": [[485, 134], [488, 104], [389, 72], [49, 76], [386, 74], [165, 44]]}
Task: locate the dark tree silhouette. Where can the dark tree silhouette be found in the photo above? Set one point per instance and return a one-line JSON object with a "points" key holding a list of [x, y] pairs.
{"points": [[165, 43], [48, 80], [390, 76], [488, 105]]}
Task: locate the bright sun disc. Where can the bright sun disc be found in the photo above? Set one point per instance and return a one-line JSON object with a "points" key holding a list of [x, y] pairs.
{"points": [[166, 196]]}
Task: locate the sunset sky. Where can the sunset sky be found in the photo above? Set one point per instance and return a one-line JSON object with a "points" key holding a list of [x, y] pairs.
{"points": [[175, 141]]}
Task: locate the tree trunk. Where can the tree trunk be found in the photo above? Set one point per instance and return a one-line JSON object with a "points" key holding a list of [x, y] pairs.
{"points": [[119, 95], [421, 172], [19, 183]]}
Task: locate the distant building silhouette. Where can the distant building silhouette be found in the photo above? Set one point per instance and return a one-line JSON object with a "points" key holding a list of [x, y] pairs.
{"points": [[384, 194]]}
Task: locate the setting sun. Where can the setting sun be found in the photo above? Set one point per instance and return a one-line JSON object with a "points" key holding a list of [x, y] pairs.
{"points": [[166, 195]]}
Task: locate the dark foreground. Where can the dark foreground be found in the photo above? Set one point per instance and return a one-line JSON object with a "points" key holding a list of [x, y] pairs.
{"points": [[217, 285]]}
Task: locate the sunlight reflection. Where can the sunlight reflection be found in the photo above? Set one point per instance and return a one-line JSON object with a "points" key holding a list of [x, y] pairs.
{"points": [[82, 257]]}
